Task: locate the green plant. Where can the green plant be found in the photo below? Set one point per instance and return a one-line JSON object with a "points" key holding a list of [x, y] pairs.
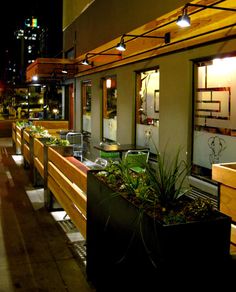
{"points": [[37, 130], [160, 191], [22, 124], [118, 174], [167, 178], [57, 142]]}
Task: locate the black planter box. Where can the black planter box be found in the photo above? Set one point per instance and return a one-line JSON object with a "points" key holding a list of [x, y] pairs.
{"points": [[126, 248]]}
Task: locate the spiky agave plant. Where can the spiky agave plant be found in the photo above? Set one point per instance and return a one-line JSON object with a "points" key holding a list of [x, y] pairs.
{"points": [[167, 178]]}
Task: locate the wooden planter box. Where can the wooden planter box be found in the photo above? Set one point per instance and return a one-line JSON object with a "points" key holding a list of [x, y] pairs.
{"points": [[13, 133], [225, 175], [19, 139], [27, 145], [67, 181], [65, 151], [126, 248], [40, 160]]}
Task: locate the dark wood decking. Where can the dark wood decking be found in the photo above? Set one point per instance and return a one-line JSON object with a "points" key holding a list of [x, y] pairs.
{"points": [[35, 253]]}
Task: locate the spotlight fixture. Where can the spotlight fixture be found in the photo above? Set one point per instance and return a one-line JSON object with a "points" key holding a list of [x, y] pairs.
{"points": [[86, 59], [184, 19], [86, 62], [122, 47]]}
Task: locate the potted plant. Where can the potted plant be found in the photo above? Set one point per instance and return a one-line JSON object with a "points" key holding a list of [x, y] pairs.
{"points": [[143, 229], [36, 131], [62, 146]]}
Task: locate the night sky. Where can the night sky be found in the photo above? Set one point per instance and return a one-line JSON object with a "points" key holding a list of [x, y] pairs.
{"points": [[13, 14]]}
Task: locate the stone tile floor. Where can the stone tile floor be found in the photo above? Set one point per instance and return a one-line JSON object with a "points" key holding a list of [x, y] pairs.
{"points": [[37, 253]]}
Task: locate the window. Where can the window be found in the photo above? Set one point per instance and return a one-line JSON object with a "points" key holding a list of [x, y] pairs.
{"points": [[70, 54], [214, 137], [147, 109], [109, 109], [86, 106]]}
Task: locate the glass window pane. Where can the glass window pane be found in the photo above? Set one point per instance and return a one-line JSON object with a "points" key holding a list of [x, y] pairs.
{"points": [[86, 105], [109, 109], [147, 109], [214, 139]]}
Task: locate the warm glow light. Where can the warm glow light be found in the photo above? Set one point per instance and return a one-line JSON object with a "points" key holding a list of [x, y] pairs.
{"points": [[35, 78], [55, 111], [108, 83], [223, 70], [224, 61]]}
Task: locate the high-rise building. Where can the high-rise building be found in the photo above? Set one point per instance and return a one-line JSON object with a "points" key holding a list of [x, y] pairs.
{"points": [[28, 44]]}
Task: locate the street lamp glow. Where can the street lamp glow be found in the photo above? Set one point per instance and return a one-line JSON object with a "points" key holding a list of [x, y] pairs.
{"points": [[35, 78]]}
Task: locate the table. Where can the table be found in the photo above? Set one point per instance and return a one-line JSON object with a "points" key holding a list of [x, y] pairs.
{"points": [[119, 148]]}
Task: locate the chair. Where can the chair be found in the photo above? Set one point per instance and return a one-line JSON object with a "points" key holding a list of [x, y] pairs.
{"points": [[101, 162], [137, 160], [109, 155], [76, 139], [63, 134]]}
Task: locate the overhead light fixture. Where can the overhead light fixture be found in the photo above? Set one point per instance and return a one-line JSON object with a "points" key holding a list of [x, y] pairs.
{"points": [[86, 59], [122, 47], [184, 19], [86, 62], [64, 71]]}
